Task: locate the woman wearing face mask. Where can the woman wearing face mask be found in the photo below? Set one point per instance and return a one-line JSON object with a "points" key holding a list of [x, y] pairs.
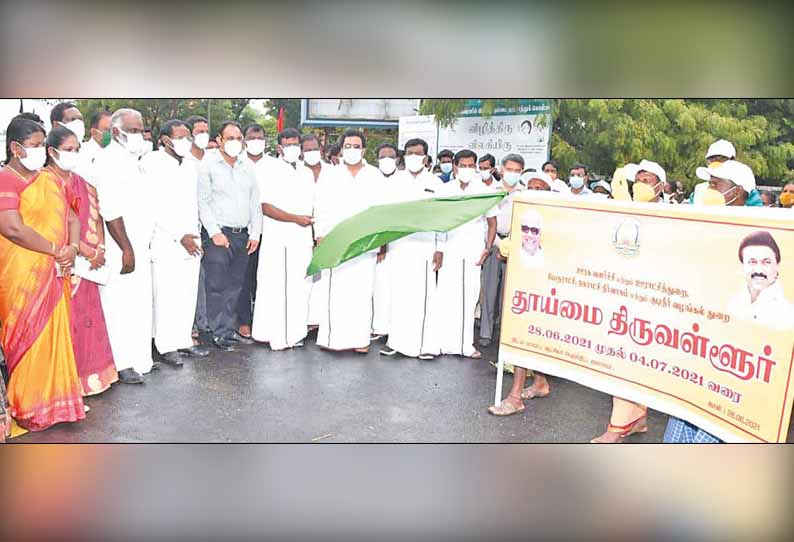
{"points": [[92, 352], [39, 235], [787, 196]]}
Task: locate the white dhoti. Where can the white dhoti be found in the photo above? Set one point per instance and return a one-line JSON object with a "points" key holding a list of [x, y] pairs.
{"points": [[346, 321], [457, 296], [127, 304], [381, 298], [413, 288], [175, 287], [282, 295]]}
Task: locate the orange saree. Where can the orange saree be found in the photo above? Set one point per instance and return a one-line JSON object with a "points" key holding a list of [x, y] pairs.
{"points": [[43, 385]]}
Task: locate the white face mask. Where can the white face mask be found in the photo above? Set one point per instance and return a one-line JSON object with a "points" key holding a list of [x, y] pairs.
{"points": [[446, 167], [465, 174], [311, 158], [255, 147], [485, 175], [387, 165], [576, 182], [34, 158], [233, 147], [511, 177], [202, 140], [133, 143], [291, 153], [414, 162], [66, 160], [352, 156], [182, 146], [77, 126]]}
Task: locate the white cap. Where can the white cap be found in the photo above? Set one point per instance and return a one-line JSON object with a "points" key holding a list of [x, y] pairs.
{"points": [[736, 172], [651, 167], [541, 176], [722, 147], [603, 184], [558, 185], [630, 171], [532, 219]]}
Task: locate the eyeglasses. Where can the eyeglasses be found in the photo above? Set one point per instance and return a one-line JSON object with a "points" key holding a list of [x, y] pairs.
{"points": [[532, 230], [351, 146]]}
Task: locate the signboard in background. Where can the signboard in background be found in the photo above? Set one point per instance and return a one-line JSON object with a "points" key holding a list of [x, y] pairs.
{"points": [[421, 126], [381, 113], [525, 130], [658, 305]]}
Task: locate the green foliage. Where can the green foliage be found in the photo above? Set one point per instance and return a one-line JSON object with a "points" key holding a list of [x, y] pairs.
{"points": [[605, 134], [292, 110]]}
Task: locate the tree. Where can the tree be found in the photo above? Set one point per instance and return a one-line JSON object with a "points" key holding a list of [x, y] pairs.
{"points": [[605, 134], [292, 110]]}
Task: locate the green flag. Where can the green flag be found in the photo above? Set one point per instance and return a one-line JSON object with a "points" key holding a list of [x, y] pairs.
{"points": [[382, 224]]}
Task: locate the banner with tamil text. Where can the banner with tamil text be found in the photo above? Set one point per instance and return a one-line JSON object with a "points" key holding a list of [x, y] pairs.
{"points": [[685, 309]]}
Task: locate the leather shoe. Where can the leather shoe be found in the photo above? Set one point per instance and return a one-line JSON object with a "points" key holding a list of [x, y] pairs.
{"points": [[155, 365], [172, 359], [237, 338], [222, 344], [195, 352], [130, 376]]}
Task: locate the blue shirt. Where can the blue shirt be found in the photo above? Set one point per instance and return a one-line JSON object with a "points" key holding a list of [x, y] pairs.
{"points": [[228, 196]]}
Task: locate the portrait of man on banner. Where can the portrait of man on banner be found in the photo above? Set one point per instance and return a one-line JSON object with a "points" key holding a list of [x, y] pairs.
{"points": [[531, 251], [762, 299]]}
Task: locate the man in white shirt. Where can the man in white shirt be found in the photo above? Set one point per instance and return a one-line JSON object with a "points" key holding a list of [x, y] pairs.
{"points": [[99, 139], [312, 154], [763, 300], [493, 270], [176, 246], [286, 190], [414, 263], [381, 299], [343, 191], [487, 168], [578, 180], [465, 250], [125, 201]]}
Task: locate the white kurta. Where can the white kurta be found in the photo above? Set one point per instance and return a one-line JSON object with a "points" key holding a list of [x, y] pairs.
{"points": [[125, 192], [175, 273], [281, 312], [346, 318], [413, 281], [459, 279], [85, 165]]}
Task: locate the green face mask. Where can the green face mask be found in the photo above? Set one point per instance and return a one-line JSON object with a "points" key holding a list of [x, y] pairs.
{"points": [[105, 138]]}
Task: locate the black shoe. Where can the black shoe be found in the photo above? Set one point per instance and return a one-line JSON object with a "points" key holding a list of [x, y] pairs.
{"points": [[237, 338], [195, 352], [155, 365], [222, 344], [426, 356], [376, 336], [485, 341], [205, 337], [172, 359], [130, 376], [387, 351]]}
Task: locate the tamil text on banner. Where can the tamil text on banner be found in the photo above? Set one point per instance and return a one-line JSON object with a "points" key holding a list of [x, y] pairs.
{"points": [[685, 309]]}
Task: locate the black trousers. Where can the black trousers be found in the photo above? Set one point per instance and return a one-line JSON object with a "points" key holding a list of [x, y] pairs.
{"points": [[245, 306], [225, 275]]}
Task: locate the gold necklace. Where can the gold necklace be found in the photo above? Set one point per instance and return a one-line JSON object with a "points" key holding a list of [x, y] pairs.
{"points": [[18, 174]]}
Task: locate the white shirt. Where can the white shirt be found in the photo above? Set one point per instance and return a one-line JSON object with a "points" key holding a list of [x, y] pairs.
{"points": [[291, 189], [85, 166], [124, 191], [769, 309], [503, 211], [467, 240], [176, 204], [340, 195]]}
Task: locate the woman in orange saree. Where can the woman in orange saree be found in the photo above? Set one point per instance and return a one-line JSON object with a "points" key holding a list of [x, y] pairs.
{"points": [[92, 353], [38, 243]]}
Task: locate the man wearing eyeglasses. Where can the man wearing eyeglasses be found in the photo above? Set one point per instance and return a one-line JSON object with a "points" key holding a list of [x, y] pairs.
{"points": [[343, 191]]}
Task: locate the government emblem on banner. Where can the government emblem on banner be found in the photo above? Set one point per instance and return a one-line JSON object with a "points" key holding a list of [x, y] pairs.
{"points": [[626, 237]]}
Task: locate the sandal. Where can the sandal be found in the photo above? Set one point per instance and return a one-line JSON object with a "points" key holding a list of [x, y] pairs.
{"points": [[529, 393], [476, 355], [505, 409], [640, 425]]}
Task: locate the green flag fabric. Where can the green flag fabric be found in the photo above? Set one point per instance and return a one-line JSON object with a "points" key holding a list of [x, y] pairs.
{"points": [[382, 224]]}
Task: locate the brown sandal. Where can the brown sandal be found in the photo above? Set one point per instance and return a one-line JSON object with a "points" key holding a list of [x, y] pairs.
{"points": [[640, 425], [505, 409], [529, 393]]}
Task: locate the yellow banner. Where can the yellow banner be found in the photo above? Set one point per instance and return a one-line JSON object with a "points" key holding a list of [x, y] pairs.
{"points": [[685, 309]]}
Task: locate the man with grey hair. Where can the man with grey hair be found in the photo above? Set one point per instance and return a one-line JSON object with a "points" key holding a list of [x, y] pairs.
{"points": [[125, 203]]}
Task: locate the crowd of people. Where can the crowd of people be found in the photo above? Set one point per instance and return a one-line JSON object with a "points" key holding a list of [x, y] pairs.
{"points": [[100, 282]]}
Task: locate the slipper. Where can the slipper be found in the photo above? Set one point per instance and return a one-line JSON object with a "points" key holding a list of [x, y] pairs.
{"points": [[476, 355], [529, 393], [505, 409]]}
